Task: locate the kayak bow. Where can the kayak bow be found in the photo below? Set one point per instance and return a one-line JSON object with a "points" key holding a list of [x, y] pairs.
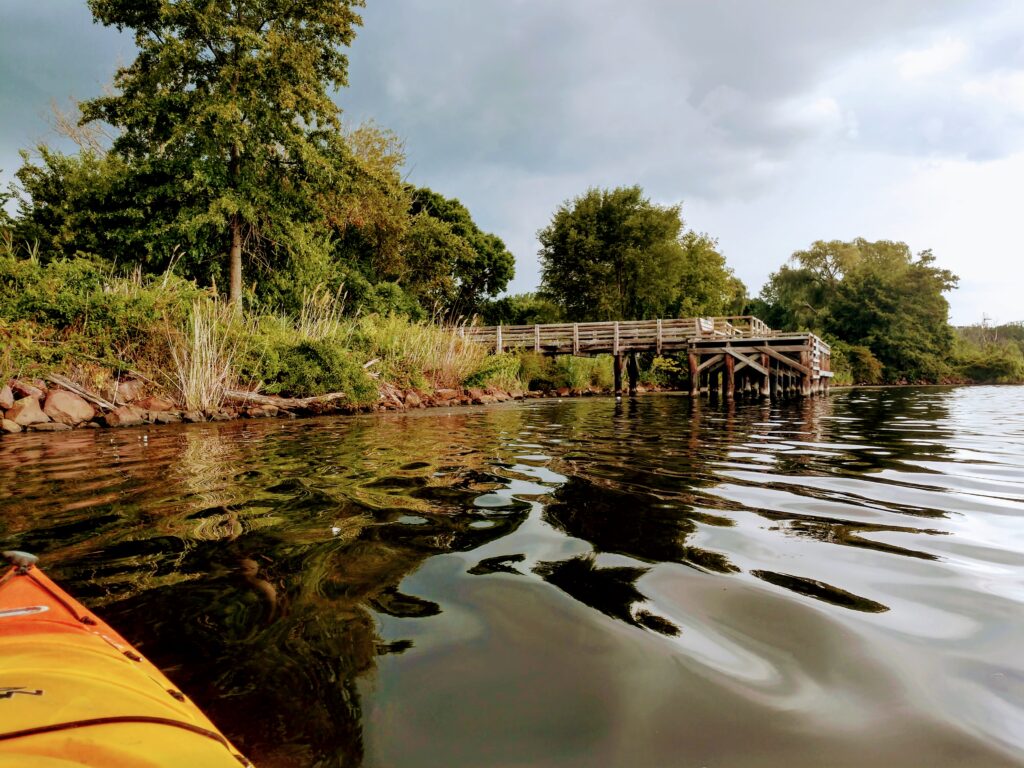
{"points": [[73, 692]]}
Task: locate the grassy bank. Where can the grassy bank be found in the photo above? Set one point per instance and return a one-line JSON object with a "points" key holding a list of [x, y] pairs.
{"points": [[83, 321]]}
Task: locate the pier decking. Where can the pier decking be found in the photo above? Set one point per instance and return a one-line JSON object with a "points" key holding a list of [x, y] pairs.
{"points": [[737, 355]]}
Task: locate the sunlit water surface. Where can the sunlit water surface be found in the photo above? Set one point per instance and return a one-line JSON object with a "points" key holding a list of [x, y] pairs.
{"points": [[836, 582]]}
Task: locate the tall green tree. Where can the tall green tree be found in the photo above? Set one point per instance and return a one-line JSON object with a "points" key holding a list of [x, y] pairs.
{"points": [[613, 254], [226, 114], [447, 260], [878, 295]]}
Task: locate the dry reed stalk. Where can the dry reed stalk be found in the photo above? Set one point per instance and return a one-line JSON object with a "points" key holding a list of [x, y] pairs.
{"points": [[204, 355]]}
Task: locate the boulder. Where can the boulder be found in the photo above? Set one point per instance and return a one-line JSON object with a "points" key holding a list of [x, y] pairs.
{"points": [[166, 417], [50, 426], [446, 394], [26, 411], [125, 416], [6, 397], [24, 389], [412, 399], [128, 390], [193, 417], [155, 404], [8, 426], [67, 408], [474, 393]]}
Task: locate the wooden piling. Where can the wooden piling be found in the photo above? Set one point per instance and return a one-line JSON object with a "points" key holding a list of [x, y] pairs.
{"points": [[694, 376], [729, 377], [766, 382], [617, 365], [633, 370]]}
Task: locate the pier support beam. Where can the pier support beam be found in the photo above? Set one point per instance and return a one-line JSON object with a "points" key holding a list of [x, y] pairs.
{"points": [[617, 369], [694, 376], [729, 377], [633, 370], [766, 382]]}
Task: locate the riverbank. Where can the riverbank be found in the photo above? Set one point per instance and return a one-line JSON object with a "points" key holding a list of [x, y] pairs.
{"points": [[59, 405]]}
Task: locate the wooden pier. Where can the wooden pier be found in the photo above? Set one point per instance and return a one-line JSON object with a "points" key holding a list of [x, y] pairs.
{"points": [[735, 356]]}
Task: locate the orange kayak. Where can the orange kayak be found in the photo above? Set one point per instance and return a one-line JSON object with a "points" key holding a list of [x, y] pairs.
{"points": [[73, 692]]}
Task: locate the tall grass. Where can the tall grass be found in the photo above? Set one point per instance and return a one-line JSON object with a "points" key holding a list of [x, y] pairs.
{"points": [[435, 353], [321, 315], [204, 355]]}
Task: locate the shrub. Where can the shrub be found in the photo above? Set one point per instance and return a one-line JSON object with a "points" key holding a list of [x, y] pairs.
{"points": [[504, 371], [321, 367], [996, 363]]}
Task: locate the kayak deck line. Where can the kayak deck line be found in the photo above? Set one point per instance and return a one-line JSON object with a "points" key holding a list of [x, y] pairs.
{"points": [[72, 689], [120, 719]]}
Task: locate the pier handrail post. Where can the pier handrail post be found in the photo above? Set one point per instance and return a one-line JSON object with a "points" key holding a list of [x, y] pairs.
{"points": [[657, 344], [575, 338], [536, 338], [615, 344], [497, 340]]}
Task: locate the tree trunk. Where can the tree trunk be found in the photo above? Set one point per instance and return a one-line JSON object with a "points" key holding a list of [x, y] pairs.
{"points": [[235, 256], [235, 295]]}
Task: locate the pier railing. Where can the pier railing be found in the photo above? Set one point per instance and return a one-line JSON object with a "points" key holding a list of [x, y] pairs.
{"points": [[617, 336]]}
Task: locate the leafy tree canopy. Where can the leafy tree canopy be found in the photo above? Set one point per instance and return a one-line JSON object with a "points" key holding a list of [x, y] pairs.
{"points": [[521, 309], [613, 254], [226, 116], [872, 294], [448, 260]]}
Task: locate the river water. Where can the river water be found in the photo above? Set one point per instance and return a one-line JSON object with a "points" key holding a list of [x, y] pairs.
{"points": [[834, 582]]}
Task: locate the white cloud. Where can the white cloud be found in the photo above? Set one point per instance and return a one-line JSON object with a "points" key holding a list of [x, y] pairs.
{"points": [[1004, 89], [939, 57]]}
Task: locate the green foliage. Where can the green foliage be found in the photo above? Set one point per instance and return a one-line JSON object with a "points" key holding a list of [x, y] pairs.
{"points": [[987, 354], [854, 364], [706, 284], [449, 262], [504, 371], [997, 363], [665, 372], [874, 295], [418, 354], [320, 367], [226, 116], [520, 309], [76, 310], [613, 254]]}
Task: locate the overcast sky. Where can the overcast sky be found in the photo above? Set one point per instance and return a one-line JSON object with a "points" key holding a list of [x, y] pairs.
{"points": [[774, 123]]}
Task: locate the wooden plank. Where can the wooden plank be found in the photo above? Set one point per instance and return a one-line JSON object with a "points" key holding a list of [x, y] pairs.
{"points": [[746, 360], [783, 359], [709, 362]]}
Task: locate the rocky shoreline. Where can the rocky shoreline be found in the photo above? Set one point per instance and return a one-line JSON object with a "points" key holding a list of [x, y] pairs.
{"points": [[59, 405]]}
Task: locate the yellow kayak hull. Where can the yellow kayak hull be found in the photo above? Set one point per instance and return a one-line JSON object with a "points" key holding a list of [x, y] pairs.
{"points": [[73, 692]]}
